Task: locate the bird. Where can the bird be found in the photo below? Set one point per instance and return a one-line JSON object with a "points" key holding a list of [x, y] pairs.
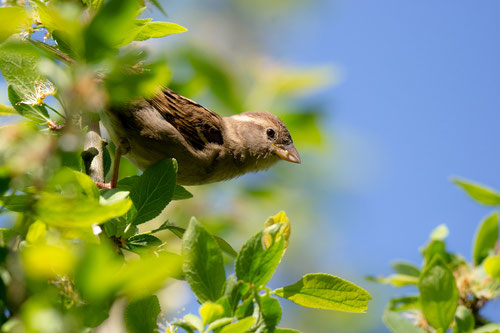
{"points": [[208, 147]]}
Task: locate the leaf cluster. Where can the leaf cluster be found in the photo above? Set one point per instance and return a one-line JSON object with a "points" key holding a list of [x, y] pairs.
{"points": [[451, 291]]}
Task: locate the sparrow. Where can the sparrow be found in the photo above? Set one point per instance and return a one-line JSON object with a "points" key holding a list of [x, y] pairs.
{"points": [[208, 147]]}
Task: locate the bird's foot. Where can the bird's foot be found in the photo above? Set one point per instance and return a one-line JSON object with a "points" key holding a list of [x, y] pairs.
{"points": [[107, 186]]}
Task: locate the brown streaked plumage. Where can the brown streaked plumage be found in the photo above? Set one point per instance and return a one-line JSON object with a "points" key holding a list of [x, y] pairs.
{"points": [[208, 148]]}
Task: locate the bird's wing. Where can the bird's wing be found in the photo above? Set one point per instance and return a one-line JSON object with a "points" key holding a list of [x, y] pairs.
{"points": [[195, 123]]}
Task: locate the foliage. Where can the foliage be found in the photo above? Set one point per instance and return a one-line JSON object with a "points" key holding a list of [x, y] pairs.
{"points": [[73, 251], [451, 291]]}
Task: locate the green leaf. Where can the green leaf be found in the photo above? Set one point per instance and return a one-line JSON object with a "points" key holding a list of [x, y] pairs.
{"points": [[271, 310], [488, 328], [398, 324], [486, 238], [240, 326], [404, 303], [257, 262], [140, 315], [152, 192], [210, 312], [203, 264], [406, 269], [158, 29], [143, 243], [324, 291], [109, 28], [219, 323], [36, 113], [464, 320], [13, 20], [492, 266], [6, 110], [478, 192], [439, 294], [180, 193], [284, 330]]}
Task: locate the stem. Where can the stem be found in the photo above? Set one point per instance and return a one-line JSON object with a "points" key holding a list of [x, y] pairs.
{"points": [[93, 150]]}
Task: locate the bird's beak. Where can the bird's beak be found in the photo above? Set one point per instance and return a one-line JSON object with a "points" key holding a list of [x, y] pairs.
{"points": [[287, 153]]}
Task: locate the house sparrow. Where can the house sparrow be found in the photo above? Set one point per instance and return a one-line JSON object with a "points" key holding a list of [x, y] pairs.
{"points": [[208, 148]]}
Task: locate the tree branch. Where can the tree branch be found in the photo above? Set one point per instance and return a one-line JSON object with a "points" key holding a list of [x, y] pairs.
{"points": [[93, 147]]}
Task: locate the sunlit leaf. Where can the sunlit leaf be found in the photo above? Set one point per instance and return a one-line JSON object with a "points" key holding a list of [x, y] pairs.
{"points": [[478, 192], [486, 238], [464, 320], [259, 256], [210, 312], [324, 291], [13, 19], [158, 29], [492, 266], [239, 326]]}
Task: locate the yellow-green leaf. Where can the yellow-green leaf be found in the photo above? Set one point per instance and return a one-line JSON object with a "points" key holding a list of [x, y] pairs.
{"points": [[492, 266], [324, 291], [13, 20], [478, 192], [6, 110], [158, 29]]}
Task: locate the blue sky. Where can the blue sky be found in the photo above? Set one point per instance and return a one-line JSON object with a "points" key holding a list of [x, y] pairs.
{"points": [[419, 102]]}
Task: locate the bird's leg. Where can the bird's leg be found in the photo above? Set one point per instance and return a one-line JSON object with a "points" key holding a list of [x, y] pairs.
{"points": [[122, 148]]}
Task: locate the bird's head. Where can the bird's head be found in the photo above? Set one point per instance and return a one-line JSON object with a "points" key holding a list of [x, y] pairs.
{"points": [[265, 136]]}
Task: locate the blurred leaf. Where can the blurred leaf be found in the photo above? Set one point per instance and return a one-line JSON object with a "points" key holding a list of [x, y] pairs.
{"points": [[439, 294], [478, 192], [404, 303], [96, 4], [158, 29], [324, 291], [63, 22], [36, 233], [435, 247], [73, 183], [219, 323], [284, 330], [440, 233], [304, 127], [396, 280], [6, 110], [210, 312], [157, 4], [13, 20], [18, 203], [47, 261], [406, 269], [109, 28], [73, 212], [464, 320], [492, 266], [152, 192], [203, 264], [217, 76], [147, 275], [258, 258], [488, 328], [140, 315], [19, 66], [271, 310], [486, 238], [240, 326], [398, 324]]}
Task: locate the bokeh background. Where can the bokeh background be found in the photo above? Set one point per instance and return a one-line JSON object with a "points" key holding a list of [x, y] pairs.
{"points": [[385, 99]]}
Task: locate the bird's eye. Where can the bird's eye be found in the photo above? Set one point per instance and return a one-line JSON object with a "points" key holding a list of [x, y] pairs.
{"points": [[270, 133]]}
